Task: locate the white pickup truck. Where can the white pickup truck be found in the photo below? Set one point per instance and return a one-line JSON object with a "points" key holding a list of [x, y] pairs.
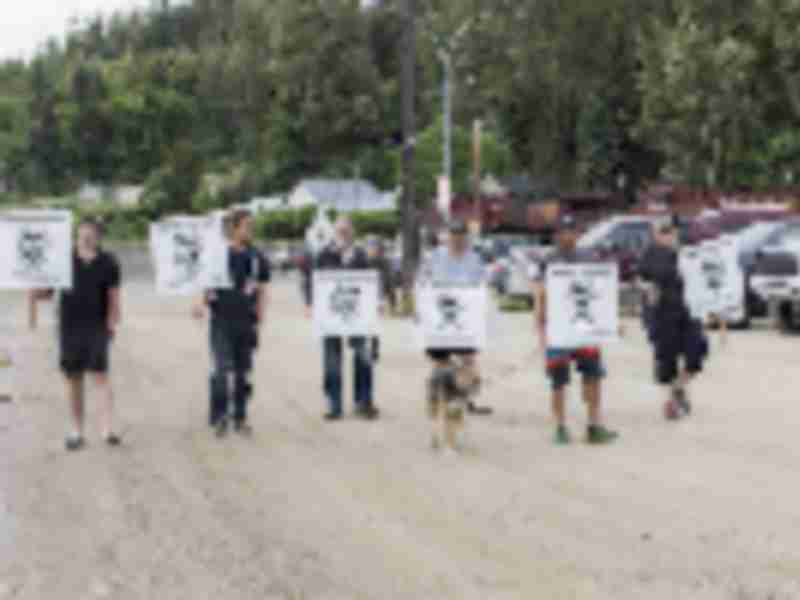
{"points": [[776, 278], [524, 265]]}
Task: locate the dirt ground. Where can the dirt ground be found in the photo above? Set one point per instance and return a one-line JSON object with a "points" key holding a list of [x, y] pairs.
{"points": [[706, 508]]}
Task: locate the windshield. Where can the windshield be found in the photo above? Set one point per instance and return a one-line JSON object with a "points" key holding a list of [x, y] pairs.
{"points": [[596, 234]]}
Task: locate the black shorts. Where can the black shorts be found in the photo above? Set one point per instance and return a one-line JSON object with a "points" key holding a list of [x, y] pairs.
{"points": [[443, 354], [684, 340], [84, 349]]}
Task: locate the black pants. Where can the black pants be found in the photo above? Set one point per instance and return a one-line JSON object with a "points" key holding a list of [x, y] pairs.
{"points": [[232, 347]]}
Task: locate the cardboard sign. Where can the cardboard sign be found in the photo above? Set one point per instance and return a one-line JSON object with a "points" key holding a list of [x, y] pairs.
{"points": [[582, 305], [36, 249], [452, 316], [713, 279], [346, 303], [190, 255]]}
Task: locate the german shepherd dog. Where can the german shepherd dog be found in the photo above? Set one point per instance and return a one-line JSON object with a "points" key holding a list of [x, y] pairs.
{"points": [[450, 390]]}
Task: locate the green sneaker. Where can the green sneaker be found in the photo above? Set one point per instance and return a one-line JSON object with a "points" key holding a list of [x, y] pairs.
{"points": [[562, 436], [598, 434]]}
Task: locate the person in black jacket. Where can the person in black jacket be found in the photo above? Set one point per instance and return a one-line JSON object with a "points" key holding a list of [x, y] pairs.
{"points": [[236, 314], [674, 333], [344, 254]]}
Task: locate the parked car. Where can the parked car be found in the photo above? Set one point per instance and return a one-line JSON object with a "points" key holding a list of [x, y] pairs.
{"points": [[776, 278], [621, 239]]}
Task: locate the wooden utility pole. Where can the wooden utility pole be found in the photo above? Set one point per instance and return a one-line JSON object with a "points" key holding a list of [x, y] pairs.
{"points": [[476, 159], [409, 208]]}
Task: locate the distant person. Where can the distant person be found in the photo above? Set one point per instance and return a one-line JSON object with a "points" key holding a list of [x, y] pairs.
{"points": [[343, 254], [376, 254], [88, 315], [559, 360], [679, 342], [236, 315]]}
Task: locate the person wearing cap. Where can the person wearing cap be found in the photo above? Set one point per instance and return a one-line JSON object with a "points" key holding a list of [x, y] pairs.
{"points": [[344, 254], [588, 360], [455, 263], [675, 335], [378, 261], [88, 316]]}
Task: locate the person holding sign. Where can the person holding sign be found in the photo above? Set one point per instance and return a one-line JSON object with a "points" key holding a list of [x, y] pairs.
{"points": [[558, 360], [343, 255], [455, 378], [671, 328], [236, 314], [89, 314]]}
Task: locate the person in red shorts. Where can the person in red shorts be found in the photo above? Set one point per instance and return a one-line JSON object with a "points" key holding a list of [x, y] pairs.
{"points": [[588, 361]]}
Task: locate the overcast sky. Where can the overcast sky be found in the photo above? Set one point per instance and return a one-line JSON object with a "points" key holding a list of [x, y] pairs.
{"points": [[25, 24]]}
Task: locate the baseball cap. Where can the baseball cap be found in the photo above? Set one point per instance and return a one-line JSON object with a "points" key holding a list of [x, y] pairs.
{"points": [[566, 223]]}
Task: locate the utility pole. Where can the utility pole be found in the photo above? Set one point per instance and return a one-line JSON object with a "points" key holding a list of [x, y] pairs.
{"points": [[447, 110], [476, 158], [409, 209]]}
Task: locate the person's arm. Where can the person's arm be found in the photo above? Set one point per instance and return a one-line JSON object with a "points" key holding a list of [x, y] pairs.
{"points": [[262, 294], [114, 298]]}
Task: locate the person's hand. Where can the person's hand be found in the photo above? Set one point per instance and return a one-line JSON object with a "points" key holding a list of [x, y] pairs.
{"points": [[112, 326], [198, 311], [382, 309], [308, 312]]}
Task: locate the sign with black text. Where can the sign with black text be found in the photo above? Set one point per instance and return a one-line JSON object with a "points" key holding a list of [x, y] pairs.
{"points": [[346, 303], [452, 316], [582, 304], [36, 249]]}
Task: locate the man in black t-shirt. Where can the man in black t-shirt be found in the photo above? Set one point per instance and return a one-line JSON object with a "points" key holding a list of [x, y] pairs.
{"points": [[674, 333], [236, 314], [89, 313]]}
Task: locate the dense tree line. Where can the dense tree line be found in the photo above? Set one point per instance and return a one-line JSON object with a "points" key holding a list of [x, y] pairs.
{"points": [[586, 93]]}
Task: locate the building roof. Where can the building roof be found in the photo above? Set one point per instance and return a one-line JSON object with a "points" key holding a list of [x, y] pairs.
{"points": [[343, 194]]}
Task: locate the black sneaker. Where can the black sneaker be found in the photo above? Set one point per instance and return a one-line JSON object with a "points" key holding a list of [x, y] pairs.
{"points": [[682, 400], [112, 439], [243, 428], [222, 428], [369, 412], [474, 409], [332, 416], [74, 442]]}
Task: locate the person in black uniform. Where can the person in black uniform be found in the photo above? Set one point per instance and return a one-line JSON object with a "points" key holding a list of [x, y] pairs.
{"points": [[344, 254], [676, 336], [89, 314], [236, 314]]}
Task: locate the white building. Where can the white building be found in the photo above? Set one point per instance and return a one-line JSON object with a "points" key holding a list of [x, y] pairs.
{"points": [[342, 195]]}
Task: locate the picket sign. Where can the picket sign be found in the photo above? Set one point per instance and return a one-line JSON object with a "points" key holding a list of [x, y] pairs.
{"points": [[35, 249], [582, 304], [713, 280], [452, 315], [190, 254], [346, 303]]}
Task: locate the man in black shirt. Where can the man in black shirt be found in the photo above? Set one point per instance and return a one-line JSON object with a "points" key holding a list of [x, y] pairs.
{"points": [[671, 328], [236, 314], [88, 316], [343, 254]]}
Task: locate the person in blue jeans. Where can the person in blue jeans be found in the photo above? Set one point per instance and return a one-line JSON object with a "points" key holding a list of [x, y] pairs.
{"points": [[236, 315], [344, 254]]}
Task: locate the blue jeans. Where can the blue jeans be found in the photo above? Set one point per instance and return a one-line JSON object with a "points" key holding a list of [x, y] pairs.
{"points": [[332, 352], [232, 347]]}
